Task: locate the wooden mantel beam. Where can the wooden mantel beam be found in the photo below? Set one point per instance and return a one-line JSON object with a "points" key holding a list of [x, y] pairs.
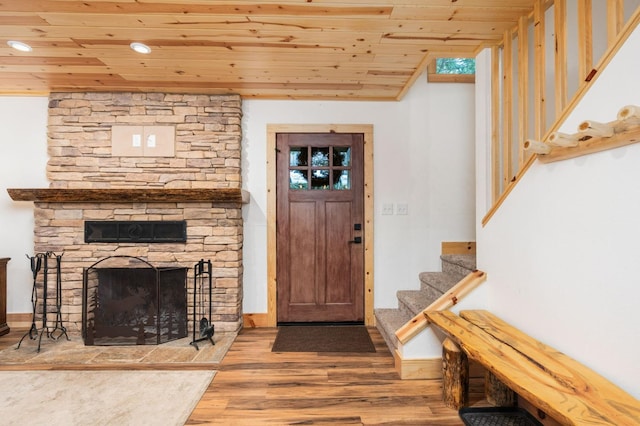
{"points": [[129, 195]]}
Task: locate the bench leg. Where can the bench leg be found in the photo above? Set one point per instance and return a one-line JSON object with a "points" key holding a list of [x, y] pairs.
{"points": [[497, 393], [455, 375]]}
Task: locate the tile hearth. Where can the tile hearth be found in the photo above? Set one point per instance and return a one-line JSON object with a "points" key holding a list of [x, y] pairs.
{"points": [[178, 353]]}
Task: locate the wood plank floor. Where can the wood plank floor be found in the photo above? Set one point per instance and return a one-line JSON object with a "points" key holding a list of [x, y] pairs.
{"points": [[255, 386]]}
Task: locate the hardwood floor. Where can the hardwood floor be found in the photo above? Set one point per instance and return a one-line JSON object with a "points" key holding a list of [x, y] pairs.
{"points": [[254, 386]]}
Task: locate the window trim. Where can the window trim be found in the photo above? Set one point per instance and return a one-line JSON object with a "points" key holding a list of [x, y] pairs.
{"points": [[434, 77]]}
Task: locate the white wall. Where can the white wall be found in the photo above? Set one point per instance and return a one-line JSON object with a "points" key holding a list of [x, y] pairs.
{"points": [[423, 156], [23, 135], [561, 253]]}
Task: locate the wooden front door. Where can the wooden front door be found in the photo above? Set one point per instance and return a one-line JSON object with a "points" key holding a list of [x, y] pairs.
{"points": [[320, 229]]}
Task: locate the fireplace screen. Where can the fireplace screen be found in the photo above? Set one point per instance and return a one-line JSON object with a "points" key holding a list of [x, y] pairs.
{"points": [[126, 301]]}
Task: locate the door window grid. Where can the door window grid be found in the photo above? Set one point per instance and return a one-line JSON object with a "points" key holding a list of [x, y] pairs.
{"points": [[329, 168]]}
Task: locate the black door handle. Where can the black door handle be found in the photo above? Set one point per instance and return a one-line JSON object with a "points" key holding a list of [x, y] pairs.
{"points": [[356, 240]]}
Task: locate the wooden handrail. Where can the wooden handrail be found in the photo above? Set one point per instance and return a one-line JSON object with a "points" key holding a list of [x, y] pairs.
{"points": [[447, 300]]}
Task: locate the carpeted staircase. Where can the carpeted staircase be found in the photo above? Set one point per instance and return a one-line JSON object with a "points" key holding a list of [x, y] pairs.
{"points": [[432, 286]]}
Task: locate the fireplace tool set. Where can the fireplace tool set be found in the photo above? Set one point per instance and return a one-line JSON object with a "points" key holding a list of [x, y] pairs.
{"points": [[202, 303], [37, 263]]}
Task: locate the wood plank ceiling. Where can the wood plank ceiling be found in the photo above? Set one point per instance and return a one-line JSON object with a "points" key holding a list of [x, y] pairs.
{"points": [[292, 49]]}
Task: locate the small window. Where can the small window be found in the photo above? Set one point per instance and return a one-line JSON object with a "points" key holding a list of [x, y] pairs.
{"points": [[320, 168], [452, 70]]}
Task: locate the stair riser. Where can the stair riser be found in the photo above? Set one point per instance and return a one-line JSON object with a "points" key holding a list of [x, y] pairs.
{"points": [[412, 302], [438, 281], [411, 309], [387, 326], [459, 271], [391, 341]]}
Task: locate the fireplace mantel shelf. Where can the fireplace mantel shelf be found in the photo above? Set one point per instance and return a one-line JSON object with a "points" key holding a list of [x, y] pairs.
{"points": [[129, 195]]}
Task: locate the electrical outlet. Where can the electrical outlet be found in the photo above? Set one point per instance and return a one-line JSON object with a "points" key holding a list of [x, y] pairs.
{"points": [[402, 209], [160, 141], [387, 209]]}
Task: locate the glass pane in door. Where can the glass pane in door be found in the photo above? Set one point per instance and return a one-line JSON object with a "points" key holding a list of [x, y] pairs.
{"points": [[341, 179], [320, 157], [298, 156], [298, 179], [341, 156], [320, 179]]}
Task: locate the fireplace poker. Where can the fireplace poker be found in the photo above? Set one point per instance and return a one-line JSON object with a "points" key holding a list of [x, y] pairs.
{"points": [[58, 325], [36, 264], [45, 292]]}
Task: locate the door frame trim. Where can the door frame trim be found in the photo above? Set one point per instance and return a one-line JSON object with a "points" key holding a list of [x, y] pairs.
{"points": [[367, 131]]}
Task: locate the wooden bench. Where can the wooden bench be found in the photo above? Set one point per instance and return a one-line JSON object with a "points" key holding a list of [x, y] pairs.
{"points": [[563, 388]]}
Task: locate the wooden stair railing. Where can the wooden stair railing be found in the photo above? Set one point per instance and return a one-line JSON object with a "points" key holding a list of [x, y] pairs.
{"points": [[447, 300], [505, 175]]}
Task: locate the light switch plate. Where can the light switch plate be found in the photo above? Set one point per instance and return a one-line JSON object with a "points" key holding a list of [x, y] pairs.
{"points": [[126, 141], [143, 141], [387, 209], [402, 209]]}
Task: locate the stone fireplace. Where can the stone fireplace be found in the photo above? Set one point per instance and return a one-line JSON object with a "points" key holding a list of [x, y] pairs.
{"points": [[198, 184]]}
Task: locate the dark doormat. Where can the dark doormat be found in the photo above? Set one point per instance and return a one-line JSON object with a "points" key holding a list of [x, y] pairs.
{"points": [[325, 338], [497, 416]]}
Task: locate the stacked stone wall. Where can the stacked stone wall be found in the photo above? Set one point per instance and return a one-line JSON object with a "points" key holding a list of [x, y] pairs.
{"points": [[207, 145], [207, 155]]}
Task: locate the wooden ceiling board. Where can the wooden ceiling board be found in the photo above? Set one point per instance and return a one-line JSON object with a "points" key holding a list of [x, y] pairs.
{"points": [[292, 49], [270, 23]]}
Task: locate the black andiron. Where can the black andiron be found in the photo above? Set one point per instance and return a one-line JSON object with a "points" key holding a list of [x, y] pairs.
{"points": [[58, 329], [202, 303]]}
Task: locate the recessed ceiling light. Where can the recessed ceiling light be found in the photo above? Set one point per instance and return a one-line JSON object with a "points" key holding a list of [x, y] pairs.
{"points": [[140, 48], [18, 45]]}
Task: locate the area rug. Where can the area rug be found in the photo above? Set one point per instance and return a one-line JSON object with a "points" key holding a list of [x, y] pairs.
{"points": [[100, 397], [325, 338]]}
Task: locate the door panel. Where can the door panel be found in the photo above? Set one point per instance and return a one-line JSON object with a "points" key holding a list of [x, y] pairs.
{"points": [[338, 288], [320, 270], [301, 251]]}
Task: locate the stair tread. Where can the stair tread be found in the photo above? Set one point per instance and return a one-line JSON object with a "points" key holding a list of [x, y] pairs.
{"points": [[412, 302], [441, 281], [417, 300], [393, 317], [467, 261]]}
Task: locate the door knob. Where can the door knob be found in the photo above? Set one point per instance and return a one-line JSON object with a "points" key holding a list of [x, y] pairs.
{"points": [[356, 240]]}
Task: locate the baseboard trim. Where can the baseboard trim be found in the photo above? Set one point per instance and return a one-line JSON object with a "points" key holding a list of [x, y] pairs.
{"points": [[19, 320], [417, 369], [255, 320], [428, 368]]}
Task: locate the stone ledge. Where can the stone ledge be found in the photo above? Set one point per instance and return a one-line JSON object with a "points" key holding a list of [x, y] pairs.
{"points": [[131, 195]]}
